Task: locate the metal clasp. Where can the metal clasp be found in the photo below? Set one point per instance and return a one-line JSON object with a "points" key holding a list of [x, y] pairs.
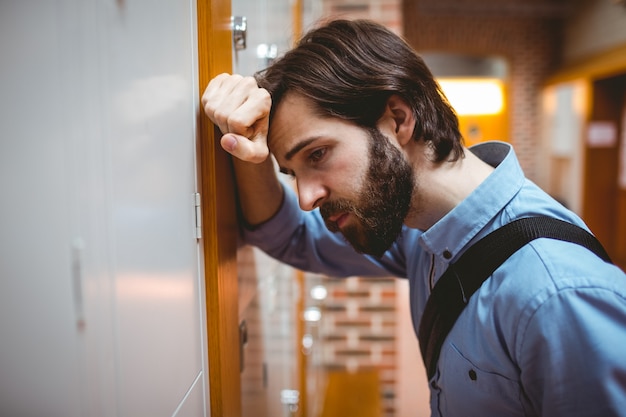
{"points": [[239, 26]]}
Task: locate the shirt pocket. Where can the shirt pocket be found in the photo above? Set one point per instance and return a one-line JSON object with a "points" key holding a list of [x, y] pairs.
{"points": [[467, 390]]}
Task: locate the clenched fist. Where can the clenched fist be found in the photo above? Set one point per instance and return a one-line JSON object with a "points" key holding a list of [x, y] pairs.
{"points": [[241, 110]]}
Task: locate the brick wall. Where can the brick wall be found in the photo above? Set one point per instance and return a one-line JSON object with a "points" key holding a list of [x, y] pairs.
{"points": [[527, 38], [386, 12], [357, 330], [525, 33]]}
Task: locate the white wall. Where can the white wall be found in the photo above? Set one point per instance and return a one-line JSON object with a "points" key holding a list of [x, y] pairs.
{"points": [[100, 293]]}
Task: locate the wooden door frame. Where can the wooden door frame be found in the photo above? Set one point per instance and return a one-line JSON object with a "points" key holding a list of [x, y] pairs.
{"points": [[603, 197], [219, 219]]}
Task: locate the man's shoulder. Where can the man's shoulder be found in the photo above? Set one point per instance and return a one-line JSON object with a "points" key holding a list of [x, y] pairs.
{"points": [[547, 268]]}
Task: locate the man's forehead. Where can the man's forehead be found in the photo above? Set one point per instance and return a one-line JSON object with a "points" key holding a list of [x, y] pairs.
{"points": [[291, 117], [293, 102]]}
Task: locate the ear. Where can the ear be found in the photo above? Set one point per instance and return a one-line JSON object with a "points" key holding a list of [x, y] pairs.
{"points": [[398, 119]]}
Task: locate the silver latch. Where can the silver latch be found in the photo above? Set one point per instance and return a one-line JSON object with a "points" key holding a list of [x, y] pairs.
{"points": [[290, 398], [239, 26]]}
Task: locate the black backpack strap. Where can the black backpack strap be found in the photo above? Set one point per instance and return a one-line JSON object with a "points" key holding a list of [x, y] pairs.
{"points": [[453, 290]]}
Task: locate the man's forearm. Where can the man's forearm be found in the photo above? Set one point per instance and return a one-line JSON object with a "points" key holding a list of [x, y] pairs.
{"points": [[260, 192], [240, 109]]}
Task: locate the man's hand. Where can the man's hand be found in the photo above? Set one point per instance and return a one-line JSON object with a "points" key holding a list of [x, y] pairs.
{"points": [[241, 110]]}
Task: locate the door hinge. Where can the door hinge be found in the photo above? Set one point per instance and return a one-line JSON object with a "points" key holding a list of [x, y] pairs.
{"points": [[198, 210]]}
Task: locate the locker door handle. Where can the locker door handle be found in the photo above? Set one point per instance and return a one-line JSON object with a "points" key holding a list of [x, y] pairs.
{"points": [[77, 281]]}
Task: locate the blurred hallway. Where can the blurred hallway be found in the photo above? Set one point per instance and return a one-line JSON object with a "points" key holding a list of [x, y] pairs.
{"points": [[548, 59]]}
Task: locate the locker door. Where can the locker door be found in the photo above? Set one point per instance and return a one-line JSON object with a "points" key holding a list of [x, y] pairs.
{"points": [[148, 104], [100, 291], [39, 335]]}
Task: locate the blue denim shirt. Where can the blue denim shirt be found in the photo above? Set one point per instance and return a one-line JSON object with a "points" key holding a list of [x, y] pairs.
{"points": [[544, 336]]}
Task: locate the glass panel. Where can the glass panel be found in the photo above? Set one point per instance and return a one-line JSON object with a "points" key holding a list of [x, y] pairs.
{"points": [[269, 33], [268, 290]]}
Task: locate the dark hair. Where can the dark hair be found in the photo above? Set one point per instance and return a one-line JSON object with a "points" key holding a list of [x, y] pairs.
{"points": [[350, 68]]}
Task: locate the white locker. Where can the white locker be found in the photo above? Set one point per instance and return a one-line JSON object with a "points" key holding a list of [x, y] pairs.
{"points": [[101, 293]]}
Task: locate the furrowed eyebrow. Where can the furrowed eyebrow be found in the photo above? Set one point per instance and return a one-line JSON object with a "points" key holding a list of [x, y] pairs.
{"points": [[298, 147]]}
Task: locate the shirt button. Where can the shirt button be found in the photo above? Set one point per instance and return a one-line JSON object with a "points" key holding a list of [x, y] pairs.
{"points": [[472, 375], [447, 254]]}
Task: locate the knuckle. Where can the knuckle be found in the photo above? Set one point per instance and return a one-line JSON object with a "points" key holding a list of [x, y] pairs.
{"points": [[237, 124], [219, 115], [209, 108], [209, 102], [217, 80], [263, 96], [220, 120], [263, 93], [248, 81]]}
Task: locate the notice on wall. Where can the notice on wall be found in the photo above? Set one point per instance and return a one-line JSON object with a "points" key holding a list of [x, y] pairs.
{"points": [[601, 134]]}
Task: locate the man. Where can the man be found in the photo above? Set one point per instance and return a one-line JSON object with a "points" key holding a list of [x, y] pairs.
{"points": [[354, 115]]}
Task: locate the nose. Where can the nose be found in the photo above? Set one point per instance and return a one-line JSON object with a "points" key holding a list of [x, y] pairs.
{"points": [[311, 193]]}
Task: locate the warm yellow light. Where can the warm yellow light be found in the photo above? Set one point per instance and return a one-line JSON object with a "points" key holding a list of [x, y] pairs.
{"points": [[474, 96]]}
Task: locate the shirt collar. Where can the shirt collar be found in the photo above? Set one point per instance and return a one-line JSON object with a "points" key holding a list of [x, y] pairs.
{"points": [[449, 236]]}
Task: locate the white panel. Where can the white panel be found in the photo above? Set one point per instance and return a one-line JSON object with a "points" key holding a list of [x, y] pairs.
{"points": [[148, 116], [100, 294], [39, 341], [193, 404]]}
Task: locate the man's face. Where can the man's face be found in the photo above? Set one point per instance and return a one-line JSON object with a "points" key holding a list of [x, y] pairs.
{"points": [[360, 181], [383, 202]]}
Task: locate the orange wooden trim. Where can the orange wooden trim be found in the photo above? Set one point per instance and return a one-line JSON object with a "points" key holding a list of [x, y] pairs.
{"points": [[219, 221], [297, 19], [601, 65]]}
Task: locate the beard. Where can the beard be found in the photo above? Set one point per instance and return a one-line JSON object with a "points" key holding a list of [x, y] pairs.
{"points": [[382, 204]]}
